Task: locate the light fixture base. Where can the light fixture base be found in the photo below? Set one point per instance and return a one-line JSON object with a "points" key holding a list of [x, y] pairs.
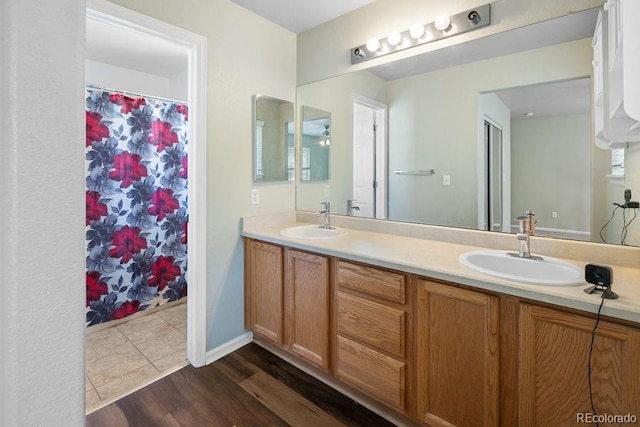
{"points": [[462, 22]]}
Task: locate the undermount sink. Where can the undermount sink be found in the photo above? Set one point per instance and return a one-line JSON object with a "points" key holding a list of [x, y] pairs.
{"points": [[548, 271], [312, 232]]}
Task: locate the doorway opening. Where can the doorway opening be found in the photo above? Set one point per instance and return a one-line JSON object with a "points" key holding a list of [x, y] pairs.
{"points": [[369, 193], [188, 68]]}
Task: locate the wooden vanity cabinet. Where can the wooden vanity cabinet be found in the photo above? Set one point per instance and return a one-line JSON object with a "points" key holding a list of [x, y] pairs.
{"points": [[554, 360], [287, 299], [440, 353], [372, 314], [457, 356]]}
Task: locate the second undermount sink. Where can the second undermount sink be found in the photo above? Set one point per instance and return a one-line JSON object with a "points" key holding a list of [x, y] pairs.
{"points": [[548, 271], [312, 232]]}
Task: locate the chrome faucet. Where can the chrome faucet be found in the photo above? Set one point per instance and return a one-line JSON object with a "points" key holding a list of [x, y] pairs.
{"points": [[326, 212], [351, 208], [526, 229]]}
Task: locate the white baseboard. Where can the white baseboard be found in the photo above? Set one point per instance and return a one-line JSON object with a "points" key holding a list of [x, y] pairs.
{"points": [[228, 347]]}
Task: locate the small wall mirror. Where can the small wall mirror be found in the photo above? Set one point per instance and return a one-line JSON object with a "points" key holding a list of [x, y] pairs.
{"points": [[273, 148], [315, 144]]}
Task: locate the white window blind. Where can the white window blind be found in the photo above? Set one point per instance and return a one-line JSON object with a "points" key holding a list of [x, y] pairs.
{"points": [[259, 129], [306, 164], [291, 164], [617, 162]]}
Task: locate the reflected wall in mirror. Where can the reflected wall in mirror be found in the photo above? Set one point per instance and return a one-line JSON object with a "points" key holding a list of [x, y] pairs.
{"points": [[315, 144], [273, 146], [438, 111]]}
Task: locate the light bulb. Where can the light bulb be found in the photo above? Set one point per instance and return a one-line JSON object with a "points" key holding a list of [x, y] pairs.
{"points": [[394, 38], [373, 44], [416, 31], [442, 22]]}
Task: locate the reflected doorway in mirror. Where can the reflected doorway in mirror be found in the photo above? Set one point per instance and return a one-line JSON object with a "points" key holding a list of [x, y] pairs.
{"points": [[369, 159]]}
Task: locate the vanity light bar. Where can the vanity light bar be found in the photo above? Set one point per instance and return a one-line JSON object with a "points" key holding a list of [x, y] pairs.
{"points": [[442, 27]]}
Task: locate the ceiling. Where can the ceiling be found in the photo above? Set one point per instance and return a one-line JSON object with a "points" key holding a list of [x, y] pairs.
{"points": [[548, 99], [300, 15]]}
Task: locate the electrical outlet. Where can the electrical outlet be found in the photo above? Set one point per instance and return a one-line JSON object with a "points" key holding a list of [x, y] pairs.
{"points": [[446, 179], [255, 196], [327, 190], [554, 215]]}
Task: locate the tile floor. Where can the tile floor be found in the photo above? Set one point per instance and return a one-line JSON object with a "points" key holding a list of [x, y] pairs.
{"points": [[123, 358]]}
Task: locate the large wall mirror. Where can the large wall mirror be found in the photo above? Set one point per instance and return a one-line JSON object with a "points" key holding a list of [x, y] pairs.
{"points": [[273, 140], [473, 135]]}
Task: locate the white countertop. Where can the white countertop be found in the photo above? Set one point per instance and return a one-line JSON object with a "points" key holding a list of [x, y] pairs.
{"points": [[439, 260]]}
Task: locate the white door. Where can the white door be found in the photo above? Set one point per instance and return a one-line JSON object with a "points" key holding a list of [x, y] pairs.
{"points": [[364, 171]]}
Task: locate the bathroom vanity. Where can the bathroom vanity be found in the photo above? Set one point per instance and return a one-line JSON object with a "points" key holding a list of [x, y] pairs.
{"points": [[400, 325]]}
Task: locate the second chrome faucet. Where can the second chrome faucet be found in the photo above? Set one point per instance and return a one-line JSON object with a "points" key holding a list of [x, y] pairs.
{"points": [[326, 213], [526, 229]]}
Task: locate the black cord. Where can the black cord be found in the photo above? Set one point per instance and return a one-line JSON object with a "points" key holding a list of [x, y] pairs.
{"points": [[593, 339], [607, 223], [626, 226], [624, 222]]}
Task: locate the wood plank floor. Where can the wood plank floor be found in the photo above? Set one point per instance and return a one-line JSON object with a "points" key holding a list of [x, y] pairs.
{"points": [[250, 387]]}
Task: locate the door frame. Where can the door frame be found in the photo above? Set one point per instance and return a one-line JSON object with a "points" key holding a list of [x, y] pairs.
{"points": [[196, 47], [488, 176], [381, 150], [491, 109]]}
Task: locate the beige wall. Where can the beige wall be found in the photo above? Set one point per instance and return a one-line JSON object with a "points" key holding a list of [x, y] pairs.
{"points": [[323, 51], [551, 167], [246, 55], [42, 264], [444, 137]]}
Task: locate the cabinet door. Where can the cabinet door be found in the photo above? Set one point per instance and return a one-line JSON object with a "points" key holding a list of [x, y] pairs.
{"points": [[457, 356], [554, 362], [266, 287], [307, 306]]}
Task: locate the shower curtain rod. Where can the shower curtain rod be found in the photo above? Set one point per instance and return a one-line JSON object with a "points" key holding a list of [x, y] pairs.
{"points": [[139, 95]]}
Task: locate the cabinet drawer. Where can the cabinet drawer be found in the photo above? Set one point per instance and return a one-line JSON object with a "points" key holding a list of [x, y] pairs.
{"points": [[376, 374], [373, 281], [372, 323]]}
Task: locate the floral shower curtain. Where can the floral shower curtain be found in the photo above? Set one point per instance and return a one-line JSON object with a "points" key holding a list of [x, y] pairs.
{"points": [[136, 202]]}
